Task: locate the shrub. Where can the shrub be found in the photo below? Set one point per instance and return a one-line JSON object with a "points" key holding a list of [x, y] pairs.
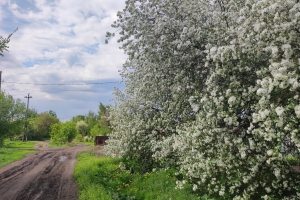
{"points": [[63, 132]]}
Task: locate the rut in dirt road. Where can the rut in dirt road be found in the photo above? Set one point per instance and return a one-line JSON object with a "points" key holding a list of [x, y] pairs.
{"points": [[46, 175]]}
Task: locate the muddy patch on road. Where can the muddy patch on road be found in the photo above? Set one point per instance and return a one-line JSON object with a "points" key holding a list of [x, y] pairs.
{"points": [[47, 174]]}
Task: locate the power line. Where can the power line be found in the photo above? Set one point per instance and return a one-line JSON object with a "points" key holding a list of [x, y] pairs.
{"points": [[102, 83], [18, 90]]}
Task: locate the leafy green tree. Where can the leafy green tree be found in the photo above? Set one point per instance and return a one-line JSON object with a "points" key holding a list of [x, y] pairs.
{"points": [[78, 118], [82, 128], [91, 120], [63, 132], [52, 113], [103, 115], [32, 113], [12, 116], [42, 125]]}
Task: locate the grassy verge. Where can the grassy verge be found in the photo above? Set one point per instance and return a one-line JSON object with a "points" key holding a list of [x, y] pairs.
{"points": [[14, 150], [101, 178], [55, 144]]}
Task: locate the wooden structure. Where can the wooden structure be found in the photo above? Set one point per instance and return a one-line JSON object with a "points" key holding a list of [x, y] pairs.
{"points": [[100, 140]]}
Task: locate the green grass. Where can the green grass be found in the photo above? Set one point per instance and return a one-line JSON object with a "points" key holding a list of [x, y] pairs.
{"points": [[100, 178], [14, 150], [19, 144], [56, 144]]}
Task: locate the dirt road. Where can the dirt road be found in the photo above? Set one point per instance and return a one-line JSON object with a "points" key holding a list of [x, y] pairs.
{"points": [[45, 175]]}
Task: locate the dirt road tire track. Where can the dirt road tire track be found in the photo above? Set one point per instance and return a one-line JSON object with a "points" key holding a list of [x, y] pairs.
{"points": [[45, 175]]}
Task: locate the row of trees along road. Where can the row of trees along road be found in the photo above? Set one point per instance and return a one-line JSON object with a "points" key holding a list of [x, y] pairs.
{"points": [[12, 116], [94, 124], [83, 127], [13, 119], [212, 89], [46, 125]]}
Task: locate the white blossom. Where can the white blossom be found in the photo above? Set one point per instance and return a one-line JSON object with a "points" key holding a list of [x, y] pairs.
{"points": [[232, 100], [211, 83], [270, 152], [297, 110], [279, 111]]}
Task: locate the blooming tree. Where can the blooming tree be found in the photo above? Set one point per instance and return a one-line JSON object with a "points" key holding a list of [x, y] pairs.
{"points": [[214, 87]]}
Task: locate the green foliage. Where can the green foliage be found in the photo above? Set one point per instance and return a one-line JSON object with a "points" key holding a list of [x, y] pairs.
{"points": [[32, 113], [82, 128], [103, 115], [100, 130], [78, 118], [104, 178], [14, 150], [93, 124], [12, 116], [292, 160], [79, 137], [40, 127], [63, 132], [4, 42], [18, 144], [90, 120], [52, 113]]}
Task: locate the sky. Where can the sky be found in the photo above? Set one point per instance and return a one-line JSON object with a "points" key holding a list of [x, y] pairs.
{"points": [[59, 55]]}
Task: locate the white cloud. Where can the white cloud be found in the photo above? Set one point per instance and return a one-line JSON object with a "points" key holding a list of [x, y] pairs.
{"points": [[60, 42]]}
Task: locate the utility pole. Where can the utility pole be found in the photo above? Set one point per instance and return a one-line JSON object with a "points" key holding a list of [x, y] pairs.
{"points": [[26, 122]]}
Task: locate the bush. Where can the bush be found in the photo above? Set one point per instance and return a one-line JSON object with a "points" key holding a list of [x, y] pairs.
{"points": [[63, 132], [82, 127]]}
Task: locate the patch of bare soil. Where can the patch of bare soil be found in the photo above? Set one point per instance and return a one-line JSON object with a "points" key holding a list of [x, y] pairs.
{"points": [[45, 175]]}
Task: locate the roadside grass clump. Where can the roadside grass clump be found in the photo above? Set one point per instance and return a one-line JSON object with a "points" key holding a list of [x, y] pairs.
{"points": [[19, 144], [14, 150], [160, 185], [68, 144], [105, 178]]}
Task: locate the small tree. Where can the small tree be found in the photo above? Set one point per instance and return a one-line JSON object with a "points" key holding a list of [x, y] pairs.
{"points": [[103, 114], [91, 120], [82, 128]]}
